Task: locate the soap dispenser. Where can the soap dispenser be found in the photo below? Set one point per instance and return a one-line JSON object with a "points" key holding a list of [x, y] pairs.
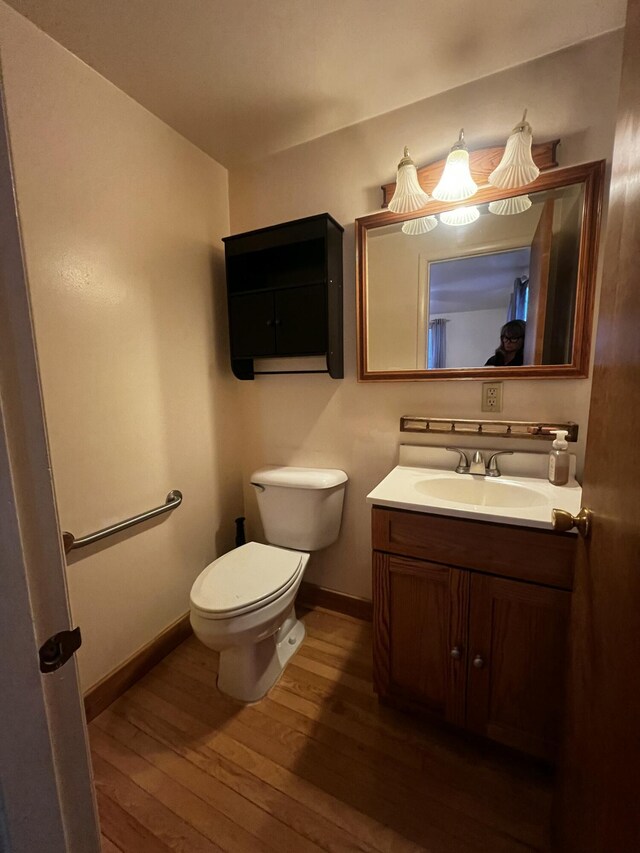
{"points": [[559, 459]]}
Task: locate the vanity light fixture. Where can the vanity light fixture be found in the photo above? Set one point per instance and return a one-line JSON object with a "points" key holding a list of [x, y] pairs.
{"points": [[460, 215], [409, 195], [420, 226], [517, 168], [510, 206], [456, 183]]}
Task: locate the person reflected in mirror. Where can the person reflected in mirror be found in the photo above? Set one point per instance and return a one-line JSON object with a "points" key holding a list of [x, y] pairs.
{"points": [[510, 353]]}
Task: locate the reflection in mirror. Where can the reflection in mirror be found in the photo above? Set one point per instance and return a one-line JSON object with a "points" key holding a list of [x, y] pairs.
{"points": [[428, 282], [450, 297]]}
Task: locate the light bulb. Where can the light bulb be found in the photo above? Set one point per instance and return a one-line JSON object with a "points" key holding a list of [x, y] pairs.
{"points": [[460, 216], [517, 168], [456, 183], [420, 226], [510, 206], [409, 195]]}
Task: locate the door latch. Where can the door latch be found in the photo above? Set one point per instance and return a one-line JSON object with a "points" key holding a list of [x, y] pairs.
{"points": [[57, 650]]}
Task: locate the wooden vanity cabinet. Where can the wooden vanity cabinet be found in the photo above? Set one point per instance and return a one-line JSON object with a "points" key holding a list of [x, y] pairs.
{"points": [[470, 623]]}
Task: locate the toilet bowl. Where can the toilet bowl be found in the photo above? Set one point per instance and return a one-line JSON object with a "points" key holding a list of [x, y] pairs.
{"points": [[242, 607], [242, 604]]}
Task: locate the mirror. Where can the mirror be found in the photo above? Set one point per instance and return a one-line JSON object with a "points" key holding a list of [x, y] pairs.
{"points": [[509, 294]]}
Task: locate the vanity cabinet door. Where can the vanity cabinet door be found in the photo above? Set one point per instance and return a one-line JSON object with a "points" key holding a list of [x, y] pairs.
{"points": [[420, 636], [516, 664]]}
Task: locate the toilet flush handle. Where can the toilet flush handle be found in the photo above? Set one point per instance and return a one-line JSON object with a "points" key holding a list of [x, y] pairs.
{"points": [[258, 486]]}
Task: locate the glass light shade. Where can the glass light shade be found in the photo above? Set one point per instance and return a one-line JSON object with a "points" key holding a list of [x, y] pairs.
{"points": [[460, 216], [409, 195], [510, 206], [420, 226], [516, 169], [456, 183]]}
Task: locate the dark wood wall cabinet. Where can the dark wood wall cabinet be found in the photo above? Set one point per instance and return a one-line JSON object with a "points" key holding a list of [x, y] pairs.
{"points": [[284, 291], [471, 624]]}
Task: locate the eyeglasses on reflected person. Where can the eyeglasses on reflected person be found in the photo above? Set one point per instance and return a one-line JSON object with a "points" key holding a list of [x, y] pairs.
{"points": [[512, 340]]}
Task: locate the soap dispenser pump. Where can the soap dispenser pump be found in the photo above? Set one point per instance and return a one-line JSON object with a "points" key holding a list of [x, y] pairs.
{"points": [[559, 459]]}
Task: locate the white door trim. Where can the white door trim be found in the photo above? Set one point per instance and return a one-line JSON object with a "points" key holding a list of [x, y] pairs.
{"points": [[47, 801]]}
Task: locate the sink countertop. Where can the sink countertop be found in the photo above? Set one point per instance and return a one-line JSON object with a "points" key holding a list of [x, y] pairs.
{"points": [[408, 487]]}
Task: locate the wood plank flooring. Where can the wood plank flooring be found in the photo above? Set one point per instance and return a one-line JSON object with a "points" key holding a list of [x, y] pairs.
{"points": [[317, 765]]}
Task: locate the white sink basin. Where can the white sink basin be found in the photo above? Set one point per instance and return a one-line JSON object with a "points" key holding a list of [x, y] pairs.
{"points": [[477, 492], [525, 501]]}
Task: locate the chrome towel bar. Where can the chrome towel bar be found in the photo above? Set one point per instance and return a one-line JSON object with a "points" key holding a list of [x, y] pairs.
{"points": [[174, 499]]}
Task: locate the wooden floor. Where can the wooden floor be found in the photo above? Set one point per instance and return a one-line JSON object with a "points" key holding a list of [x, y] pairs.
{"points": [[317, 765]]}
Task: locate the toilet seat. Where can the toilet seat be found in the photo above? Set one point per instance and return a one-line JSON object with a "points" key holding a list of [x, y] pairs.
{"points": [[245, 579]]}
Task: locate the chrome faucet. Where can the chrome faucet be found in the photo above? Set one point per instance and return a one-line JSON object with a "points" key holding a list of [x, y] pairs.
{"points": [[463, 462], [478, 466], [492, 467]]}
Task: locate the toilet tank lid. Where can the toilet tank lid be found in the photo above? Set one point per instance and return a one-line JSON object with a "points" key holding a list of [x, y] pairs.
{"points": [[299, 478]]}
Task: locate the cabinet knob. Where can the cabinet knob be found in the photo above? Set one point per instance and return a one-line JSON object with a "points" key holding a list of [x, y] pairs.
{"points": [[269, 322], [478, 662], [456, 654]]}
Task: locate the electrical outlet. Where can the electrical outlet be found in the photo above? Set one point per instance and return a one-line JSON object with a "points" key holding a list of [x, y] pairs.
{"points": [[492, 396]]}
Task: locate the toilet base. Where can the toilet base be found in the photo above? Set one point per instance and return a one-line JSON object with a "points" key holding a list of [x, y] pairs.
{"points": [[248, 672]]}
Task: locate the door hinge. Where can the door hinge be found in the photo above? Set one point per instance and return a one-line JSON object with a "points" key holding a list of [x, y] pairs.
{"points": [[57, 650]]}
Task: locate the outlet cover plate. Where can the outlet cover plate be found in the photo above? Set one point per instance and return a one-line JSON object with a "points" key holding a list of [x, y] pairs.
{"points": [[491, 397]]}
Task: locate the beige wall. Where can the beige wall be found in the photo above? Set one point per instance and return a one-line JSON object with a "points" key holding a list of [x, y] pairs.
{"points": [[471, 336], [314, 420], [121, 221], [393, 301]]}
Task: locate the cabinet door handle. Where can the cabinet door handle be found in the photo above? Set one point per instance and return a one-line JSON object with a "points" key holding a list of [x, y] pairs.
{"points": [[269, 322], [478, 662], [456, 653]]}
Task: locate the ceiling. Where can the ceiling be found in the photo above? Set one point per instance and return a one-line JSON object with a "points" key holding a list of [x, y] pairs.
{"points": [[476, 283], [244, 78]]}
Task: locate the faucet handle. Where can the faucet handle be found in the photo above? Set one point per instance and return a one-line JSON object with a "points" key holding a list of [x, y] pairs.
{"points": [[492, 464], [463, 461]]}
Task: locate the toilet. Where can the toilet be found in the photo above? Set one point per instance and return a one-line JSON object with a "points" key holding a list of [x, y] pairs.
{"points": [[242, 604]]}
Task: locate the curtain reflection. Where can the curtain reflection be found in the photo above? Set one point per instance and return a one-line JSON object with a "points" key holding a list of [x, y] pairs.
{"points": [[437, 344], [518, 301]]}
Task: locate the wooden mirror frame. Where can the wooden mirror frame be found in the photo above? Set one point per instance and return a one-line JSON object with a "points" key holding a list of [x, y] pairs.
{"points": [[590, 174]]}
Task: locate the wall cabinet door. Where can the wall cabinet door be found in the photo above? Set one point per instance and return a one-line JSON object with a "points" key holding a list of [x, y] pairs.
{"points": [[252, 326], [301, 320], [516, 662], [287, 322], [420, 637]]}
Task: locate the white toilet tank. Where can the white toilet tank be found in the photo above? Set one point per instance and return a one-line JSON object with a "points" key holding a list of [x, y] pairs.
{"points": [[301, 508]]}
